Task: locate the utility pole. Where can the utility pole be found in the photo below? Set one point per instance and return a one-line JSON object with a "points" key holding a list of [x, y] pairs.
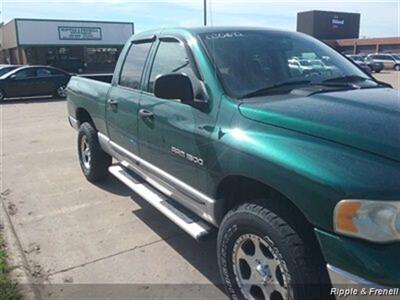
{"points": [[205, 12]]}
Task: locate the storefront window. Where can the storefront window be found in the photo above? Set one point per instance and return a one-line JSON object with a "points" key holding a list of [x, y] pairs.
{"points": [[102, 55]]}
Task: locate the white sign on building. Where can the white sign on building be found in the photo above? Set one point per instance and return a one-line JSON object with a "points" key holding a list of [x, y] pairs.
{"points": [[79, 33], [33, 32]]}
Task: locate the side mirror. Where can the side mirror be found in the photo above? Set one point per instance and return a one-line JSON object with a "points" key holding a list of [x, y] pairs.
{"points": [[174, 86], [13, 76]]}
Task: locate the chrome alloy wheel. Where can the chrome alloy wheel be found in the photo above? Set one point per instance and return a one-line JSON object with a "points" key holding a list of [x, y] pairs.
{"points": [[85, 152], [61, 92], [259, 271]]}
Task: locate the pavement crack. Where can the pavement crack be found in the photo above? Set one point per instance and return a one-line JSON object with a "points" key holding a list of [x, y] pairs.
{"points": [[112, 255]]}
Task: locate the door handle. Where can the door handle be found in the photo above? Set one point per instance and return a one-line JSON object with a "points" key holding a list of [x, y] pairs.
{"points": [[144, 113], [112, 102]]}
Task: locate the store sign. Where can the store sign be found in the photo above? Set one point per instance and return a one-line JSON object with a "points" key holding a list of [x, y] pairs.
{"points": [[79, 33], [337, 22]]}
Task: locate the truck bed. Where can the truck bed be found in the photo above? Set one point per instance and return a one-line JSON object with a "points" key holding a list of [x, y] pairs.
{"points": [[104, 77], [89, 93]]}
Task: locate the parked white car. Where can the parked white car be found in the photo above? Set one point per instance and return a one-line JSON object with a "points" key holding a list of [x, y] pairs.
{"points": [[390, 61]]}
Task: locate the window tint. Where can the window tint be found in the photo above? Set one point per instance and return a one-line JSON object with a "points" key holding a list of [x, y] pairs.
{"points": [[387, 57], [56, 72], [26, 73], [5, 70], [171, 57], [133, 65], [384, 57], [252, 60], [43, 72]]}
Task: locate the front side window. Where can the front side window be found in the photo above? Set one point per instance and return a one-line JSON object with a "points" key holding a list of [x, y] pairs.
{"points": [[26, 73], [251, 60], [132, 69], [171, 57]]}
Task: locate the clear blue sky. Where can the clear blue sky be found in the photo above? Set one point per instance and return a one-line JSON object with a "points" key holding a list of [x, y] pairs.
{"points": [[378, 18]]}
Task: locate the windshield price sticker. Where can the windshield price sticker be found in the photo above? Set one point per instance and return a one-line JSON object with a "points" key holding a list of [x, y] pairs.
{"points": [[223, 35], [373, 292]]}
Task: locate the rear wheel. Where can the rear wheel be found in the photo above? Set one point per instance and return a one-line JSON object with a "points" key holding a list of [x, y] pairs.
{"points": [[262, 257], [93, 160], [61, 92], [2, 96]]}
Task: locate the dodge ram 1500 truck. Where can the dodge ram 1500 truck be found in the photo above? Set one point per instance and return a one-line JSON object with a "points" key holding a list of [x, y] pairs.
{"points": [[296, 169]]}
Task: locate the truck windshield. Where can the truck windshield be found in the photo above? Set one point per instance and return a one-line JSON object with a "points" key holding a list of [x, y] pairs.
{"points": [[253, 60]]}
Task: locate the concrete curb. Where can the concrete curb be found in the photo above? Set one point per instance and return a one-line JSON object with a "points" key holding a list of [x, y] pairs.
{"points": [[16, 257]]}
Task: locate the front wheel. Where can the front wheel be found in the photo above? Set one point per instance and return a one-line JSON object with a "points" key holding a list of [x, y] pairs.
{"points": [[262, 257], [397, 67], [2, 96], [93, 160]]}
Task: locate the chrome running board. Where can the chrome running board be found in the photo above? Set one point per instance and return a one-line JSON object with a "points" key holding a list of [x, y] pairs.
{"points": [[181, 216]]}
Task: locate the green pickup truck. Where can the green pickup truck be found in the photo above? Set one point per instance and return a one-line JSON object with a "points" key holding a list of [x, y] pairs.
{"points": [[297, 169]]}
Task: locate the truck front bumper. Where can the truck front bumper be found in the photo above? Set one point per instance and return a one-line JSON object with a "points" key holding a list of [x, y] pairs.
{"points": [[340, 277], [356, 264], [352, 287]]}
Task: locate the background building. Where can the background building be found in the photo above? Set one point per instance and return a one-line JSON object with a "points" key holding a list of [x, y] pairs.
{"points": [[327, 25], [94, 44], [367, 45], [341, 30]]}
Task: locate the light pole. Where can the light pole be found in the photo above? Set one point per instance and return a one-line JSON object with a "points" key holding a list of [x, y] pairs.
{"points": [[205, 12]]}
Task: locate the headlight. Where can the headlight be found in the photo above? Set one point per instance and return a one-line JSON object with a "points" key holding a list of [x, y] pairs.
{"points": [[377, 221]]}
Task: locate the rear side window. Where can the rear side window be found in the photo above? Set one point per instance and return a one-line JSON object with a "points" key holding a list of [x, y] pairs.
{"points": [[133, 66], [56, 72], [384, 57], [43, 72], [387, 57]]}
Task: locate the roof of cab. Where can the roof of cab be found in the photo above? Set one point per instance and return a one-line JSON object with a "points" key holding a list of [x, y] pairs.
{"points": [[205, 29]]}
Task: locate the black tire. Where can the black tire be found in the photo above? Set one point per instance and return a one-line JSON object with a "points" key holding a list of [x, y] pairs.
{"points": [[397, 67], [95, 167], [300, 270], [378, 71]]}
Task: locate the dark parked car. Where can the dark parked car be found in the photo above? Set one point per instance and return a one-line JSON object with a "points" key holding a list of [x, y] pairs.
{"points": [[4, 69], [69, 64], [32, 81], [360, 62], [376, 66]]}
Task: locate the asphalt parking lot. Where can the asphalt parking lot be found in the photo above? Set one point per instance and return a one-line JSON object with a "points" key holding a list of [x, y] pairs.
{"points": [[101, 239], [391, 77], [86, 237]]}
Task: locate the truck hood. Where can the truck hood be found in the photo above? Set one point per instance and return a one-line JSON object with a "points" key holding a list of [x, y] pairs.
{"points": [[367, 119]]}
